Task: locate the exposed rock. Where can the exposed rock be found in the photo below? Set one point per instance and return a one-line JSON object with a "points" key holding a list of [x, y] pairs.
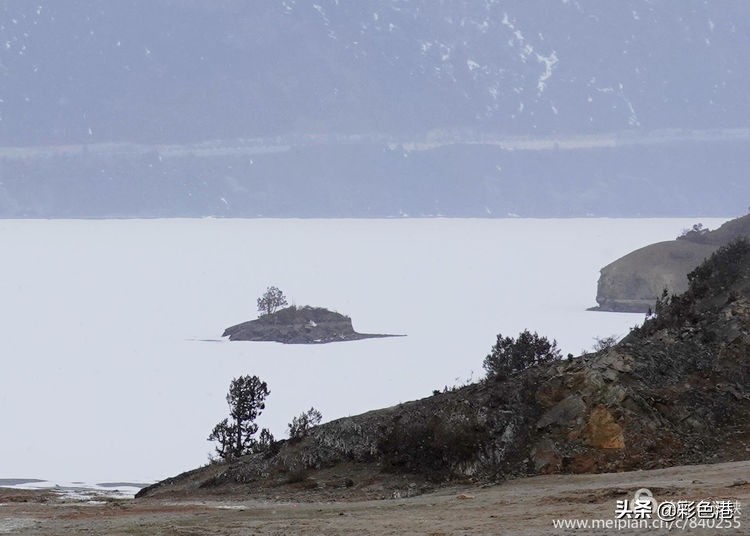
{"points": [[304, 325], [545, 457], [602, 431], [674, 391], [564, 411], [633, 282]]}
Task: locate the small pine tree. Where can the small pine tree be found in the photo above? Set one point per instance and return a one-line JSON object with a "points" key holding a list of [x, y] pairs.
{"points": [[246, 399], [266, 443], [300, 426], [511, 355]]}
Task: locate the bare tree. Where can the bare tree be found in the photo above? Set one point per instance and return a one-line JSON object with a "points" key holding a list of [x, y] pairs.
{"points": [[605, 343], [271, 300]]}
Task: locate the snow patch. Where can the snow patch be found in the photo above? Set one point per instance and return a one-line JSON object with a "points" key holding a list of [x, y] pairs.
{"points": [[549, 64]]}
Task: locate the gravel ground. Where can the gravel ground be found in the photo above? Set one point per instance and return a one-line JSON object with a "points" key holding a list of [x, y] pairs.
{"points": [[525, 506]]}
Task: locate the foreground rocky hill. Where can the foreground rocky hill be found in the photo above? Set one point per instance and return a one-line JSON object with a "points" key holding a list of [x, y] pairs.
{"points": [[674, 391], [633, 282]]}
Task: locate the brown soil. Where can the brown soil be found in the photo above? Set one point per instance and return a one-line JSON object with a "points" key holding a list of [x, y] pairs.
{"points": [[524, 506]]}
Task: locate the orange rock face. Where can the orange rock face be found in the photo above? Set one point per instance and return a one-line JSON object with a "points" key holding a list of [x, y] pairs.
{"points": [[602, 430]]}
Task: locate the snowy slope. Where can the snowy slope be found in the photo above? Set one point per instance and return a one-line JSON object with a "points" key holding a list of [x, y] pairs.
{"points": [[166, 70]]}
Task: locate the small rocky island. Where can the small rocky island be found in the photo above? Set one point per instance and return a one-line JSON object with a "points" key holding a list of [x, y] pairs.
{"points": [[299, 325]]}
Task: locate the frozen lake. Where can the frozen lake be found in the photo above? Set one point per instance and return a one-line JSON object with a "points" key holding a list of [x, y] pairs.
{"points": [[108, 374]]}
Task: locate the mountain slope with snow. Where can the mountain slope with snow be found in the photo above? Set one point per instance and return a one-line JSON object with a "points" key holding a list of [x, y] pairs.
{"points": [[354, 80]]}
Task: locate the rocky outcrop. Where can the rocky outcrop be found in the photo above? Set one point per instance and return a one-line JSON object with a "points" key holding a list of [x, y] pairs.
{"points": [[674, 391], [303, 325], [633, 282]]}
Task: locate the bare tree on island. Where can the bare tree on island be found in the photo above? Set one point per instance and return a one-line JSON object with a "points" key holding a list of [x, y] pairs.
{"points": [[271, 300], [246, 399]]}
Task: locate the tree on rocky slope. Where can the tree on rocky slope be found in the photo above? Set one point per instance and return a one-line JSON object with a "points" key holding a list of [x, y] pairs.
{"points": [[246, 399], [300, 426], [605, 343], [511, 355]]}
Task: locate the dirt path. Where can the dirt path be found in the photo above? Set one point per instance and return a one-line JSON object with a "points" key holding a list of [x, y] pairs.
{"points": [[525, 506]]}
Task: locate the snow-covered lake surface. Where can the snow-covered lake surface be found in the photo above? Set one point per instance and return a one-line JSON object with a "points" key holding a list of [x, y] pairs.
{"points": [[111, 371], [89, 492]]}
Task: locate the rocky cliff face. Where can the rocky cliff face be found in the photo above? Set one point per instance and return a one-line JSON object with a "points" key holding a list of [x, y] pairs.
{"points": [[633, 282], [303, 325], [674, 391]]}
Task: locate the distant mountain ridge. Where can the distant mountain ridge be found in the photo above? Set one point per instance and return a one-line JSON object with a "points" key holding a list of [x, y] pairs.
{"points": [[173, 70], [306, 178], [386, 77]]}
